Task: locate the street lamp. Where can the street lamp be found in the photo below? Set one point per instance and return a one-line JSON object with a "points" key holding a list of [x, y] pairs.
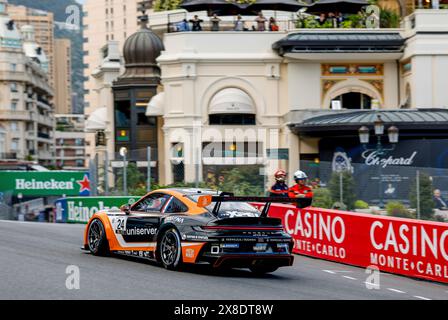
{"points": [[123, 153], [379, 149]]}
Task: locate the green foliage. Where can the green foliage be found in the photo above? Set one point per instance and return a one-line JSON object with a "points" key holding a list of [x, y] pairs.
{"points": [[348, 188], [339, 206], [389, 19], [242, 181], [397, 209], [355, 21], [135, 180], [359, 204], [165, 5], [322, 198], [426, 196]]}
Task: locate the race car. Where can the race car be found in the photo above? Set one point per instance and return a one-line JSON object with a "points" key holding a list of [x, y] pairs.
{"points": [[194, 226]]}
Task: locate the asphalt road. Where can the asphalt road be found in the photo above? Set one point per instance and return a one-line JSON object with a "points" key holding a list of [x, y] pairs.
{"points": [[34, 258]]}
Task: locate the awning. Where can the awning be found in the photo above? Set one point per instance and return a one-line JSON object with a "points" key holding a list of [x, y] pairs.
{"points": [[97, 120], [156, 105], [337, 41], [232, 101], [340, 122]]}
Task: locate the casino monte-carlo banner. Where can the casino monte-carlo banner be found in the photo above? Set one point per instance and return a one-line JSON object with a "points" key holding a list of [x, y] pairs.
{"points": [[45, 183]]}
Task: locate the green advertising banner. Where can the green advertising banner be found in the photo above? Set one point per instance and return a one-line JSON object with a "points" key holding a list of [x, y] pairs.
{"points": [[45, 183], [81, 209]]}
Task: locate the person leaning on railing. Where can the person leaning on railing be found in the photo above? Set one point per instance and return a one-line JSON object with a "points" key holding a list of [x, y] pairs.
{"points": [[215, 22]]}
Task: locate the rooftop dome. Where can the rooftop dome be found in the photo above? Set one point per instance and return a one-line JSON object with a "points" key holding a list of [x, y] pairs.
{"points": [[141, 51]]}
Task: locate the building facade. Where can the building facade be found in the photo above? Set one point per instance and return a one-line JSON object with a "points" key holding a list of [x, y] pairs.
{"points": [[43, 23], [63, 82], [26, 114], [289, 84], [104, 21], [70, 142]]}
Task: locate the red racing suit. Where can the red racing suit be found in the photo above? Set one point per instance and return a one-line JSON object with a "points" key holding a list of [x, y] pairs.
{"points": [[299, 189]]}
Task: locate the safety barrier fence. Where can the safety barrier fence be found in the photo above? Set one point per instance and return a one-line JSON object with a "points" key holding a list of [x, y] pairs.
{"points": [[407, 247]]}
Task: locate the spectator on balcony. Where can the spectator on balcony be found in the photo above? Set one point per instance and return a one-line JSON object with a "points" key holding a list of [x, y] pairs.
{"points": [[239, 24], [196, 23], [215, 22], [183, 26], [322, 19], [339, 18], [273, 24], [439, 202], [332, 18], [261, 22]]}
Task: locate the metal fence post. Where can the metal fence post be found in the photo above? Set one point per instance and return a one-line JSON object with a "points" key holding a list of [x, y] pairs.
{"points": [[125, 176], [148, 186], [418, 193], [106, 174], [341, 189]]}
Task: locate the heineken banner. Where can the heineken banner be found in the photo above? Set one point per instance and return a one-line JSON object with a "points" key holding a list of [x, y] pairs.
{"points": [[45, 183], [81, 209]]}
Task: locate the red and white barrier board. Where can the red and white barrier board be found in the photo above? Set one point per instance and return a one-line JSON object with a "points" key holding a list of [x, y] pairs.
{"points": [[403, 246]]}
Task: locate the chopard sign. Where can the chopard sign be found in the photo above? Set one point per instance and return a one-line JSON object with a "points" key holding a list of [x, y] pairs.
{"points": [[373, 159]]}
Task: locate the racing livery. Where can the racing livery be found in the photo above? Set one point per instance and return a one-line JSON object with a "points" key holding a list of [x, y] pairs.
{"points": [[182, 226]]}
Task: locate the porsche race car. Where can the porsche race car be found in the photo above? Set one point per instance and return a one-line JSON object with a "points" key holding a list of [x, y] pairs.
{"points": [[191, 226]]}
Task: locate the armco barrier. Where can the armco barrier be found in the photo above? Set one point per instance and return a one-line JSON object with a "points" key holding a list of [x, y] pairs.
{"points": [[402, 246]]}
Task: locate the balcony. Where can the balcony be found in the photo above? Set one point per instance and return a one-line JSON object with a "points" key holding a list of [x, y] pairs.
{"points": [[14, 115], [45, 155]]}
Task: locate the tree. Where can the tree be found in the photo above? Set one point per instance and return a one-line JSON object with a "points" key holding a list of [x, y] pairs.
{"points": [[165, 5], [426, 196], [322, 198], [243, 181], [135, 179], [348, 188]]}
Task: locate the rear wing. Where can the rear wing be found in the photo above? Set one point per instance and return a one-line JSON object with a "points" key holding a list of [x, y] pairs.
{"points": [[229, 197]]}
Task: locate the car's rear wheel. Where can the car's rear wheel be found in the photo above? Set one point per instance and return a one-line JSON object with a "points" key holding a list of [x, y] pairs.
{"points": [[96, 238], [260, 270], [170, 250]]}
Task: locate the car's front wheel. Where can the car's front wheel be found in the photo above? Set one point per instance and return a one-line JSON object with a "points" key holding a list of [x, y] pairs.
{"points": [[170, 250], [96, 237], [260, 270]]}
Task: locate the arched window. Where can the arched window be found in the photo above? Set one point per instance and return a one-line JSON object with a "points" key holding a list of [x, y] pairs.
{"points": [[354, 100], [232, 106]]}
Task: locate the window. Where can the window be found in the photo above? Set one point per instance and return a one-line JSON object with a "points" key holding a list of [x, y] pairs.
{"points": [[14, 126], [14, 87], [152, 203], [13, 67], [232, 119], [14, 106], [176, 206], [15, 144]]}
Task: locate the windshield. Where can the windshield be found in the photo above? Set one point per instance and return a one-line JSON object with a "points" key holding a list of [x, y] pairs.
{"points": [[231, 209]]}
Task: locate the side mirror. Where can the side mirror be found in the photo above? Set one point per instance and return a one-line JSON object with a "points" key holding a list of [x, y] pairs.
{"points": [[204, 201], [125, 208]]}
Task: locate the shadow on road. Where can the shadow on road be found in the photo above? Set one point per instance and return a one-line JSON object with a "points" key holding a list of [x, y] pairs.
{"points": [[202, 269]]}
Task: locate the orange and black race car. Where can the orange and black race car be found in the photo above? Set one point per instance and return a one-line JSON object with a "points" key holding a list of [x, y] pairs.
{"points": [[176, 226]]}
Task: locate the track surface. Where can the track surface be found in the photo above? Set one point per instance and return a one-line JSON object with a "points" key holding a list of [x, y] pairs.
{"points": [[34, 258]]}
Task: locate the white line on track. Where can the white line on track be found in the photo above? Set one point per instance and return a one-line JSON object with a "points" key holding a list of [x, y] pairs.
{"points": [[329, 271], [372, 284], [395, 290], [422, 298], [350, 278]]}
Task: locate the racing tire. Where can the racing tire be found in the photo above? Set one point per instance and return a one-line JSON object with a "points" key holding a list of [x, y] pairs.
{"points": [[170, 250], [261, 270], [96, 239]]}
